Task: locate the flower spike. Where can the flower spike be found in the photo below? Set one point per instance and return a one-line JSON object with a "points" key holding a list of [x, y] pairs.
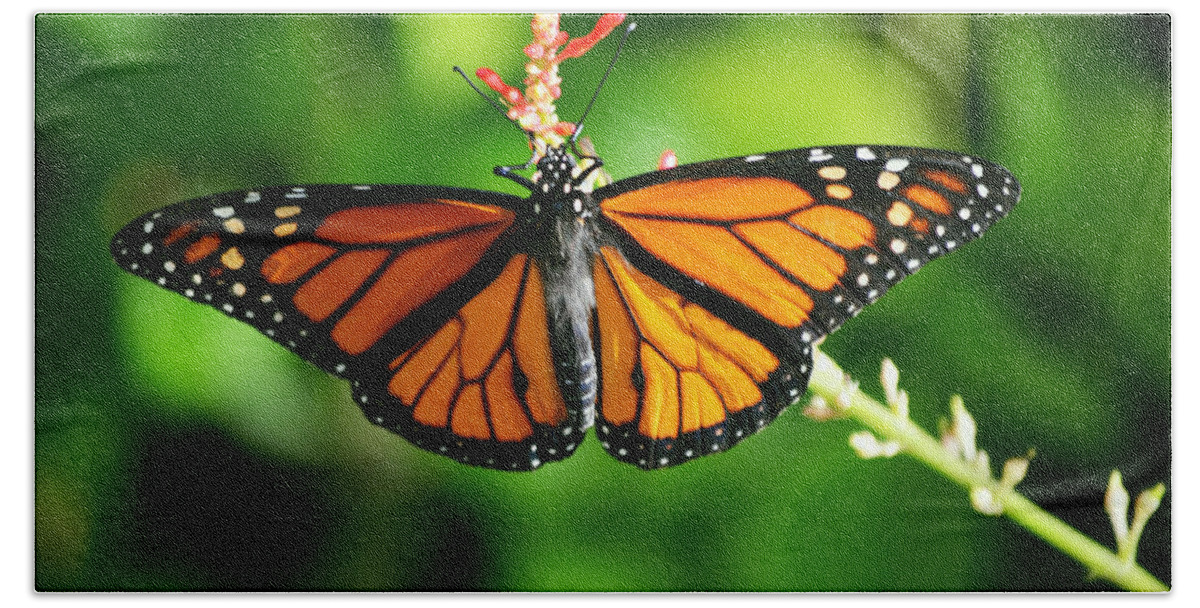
{"points": [[534, 111]]}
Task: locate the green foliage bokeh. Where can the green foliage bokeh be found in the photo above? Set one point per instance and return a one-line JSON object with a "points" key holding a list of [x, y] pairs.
{"points": [[176, 449]]}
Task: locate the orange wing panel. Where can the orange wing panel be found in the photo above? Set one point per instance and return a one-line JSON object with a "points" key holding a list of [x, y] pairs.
{"points": [[334, 284], [619, 348], [714, 255], [660, 401], [695, 369], [401, 223], [508, 417], [463, 378], [485, 332], [433, 406], [470, 419], [659, 312], [202, 248], [799, 254], [413, 278], [735, 386], [419, 367], [719, 199], [531, 338], [746, 352], [289, 263], [928, 198], [842, 227]]}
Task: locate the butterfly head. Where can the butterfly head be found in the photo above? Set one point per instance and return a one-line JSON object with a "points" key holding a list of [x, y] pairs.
{"points": [[560, 187], [556, 172]]}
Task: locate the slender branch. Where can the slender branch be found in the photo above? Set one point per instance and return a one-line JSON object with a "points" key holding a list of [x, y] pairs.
{"points": [[969, 468]]}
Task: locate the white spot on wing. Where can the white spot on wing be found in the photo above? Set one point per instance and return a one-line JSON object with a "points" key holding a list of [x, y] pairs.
{"points": [[818, 155]]}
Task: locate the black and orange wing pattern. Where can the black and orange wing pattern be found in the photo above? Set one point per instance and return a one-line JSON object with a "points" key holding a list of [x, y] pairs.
{"points": [[484, 389], [395, 288], [486, 327], [676, 380], [728, 270]]}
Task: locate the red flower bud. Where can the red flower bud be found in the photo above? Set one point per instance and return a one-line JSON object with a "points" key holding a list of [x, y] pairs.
{"points": [[495, 83], [604, 27]]}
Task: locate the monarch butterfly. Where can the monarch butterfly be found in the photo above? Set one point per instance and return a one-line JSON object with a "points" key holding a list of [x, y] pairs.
{"points": [[674, 311]]}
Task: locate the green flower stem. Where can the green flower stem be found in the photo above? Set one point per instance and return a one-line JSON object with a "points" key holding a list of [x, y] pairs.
{"points": [[829, 381]]}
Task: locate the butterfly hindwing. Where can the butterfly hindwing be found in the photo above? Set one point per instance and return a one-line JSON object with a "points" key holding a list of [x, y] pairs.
{"points": [[805, 238], [483, 389], [676, 381]]}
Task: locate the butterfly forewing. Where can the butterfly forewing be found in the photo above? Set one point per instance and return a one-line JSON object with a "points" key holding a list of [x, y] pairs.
{"points": [[327, 271]]}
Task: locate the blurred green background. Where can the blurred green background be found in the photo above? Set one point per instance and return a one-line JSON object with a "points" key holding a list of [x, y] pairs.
{"points": [[177, 449]]}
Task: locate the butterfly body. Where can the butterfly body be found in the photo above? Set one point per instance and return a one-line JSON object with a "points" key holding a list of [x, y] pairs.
{"points": [[674, 311]]}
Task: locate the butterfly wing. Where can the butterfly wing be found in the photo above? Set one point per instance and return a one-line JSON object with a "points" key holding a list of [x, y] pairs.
{"points": [[483, 388], [678, 381], [781, 247], [395, 288]]}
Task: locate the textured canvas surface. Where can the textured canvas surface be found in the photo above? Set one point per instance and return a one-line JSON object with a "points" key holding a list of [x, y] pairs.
{"points": [[177, 449]]}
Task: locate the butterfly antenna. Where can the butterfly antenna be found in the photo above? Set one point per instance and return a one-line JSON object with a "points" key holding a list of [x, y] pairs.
{"points": [[579, 124], [495, 104]]}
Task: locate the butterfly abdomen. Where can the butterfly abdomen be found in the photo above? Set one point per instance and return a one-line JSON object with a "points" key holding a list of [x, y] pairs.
{"points": [[564, 247]]}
